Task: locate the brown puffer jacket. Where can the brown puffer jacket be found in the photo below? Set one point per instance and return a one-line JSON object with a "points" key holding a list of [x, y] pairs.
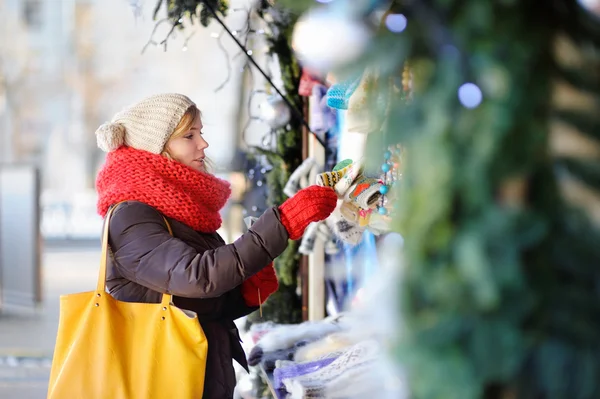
{"points": [[202, 273]]}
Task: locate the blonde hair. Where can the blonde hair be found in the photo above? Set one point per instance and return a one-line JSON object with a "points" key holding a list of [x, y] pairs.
{"points": [[188, 120]]}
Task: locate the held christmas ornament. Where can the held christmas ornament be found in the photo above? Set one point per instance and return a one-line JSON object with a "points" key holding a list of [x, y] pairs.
{"points": [[324, 41], [275, 112]]}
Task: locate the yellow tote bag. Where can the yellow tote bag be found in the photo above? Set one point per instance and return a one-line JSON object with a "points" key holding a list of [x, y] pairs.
{"points": [[108, 349]]}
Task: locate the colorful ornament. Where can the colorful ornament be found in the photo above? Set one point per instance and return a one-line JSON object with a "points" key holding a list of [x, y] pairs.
{"points": [[391, 174]]}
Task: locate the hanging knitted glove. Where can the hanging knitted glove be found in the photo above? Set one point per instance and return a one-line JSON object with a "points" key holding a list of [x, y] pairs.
{"points": [[322, 118], [339, 93], [307, 245], [299, 178], [259, 287], [349, 233], [309, 205], [307, 81]]}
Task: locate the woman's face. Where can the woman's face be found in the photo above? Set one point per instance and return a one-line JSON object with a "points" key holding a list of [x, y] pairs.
{"points": [[189, 148]]}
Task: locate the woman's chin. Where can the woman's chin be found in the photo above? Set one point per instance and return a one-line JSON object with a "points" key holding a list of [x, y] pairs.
{"points": [[199, 166]]}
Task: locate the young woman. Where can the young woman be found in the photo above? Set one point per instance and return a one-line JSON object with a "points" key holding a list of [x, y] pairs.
{"points": [[155, 168]]}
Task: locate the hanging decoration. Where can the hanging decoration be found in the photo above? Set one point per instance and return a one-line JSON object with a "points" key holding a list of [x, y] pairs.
{"points": [[324, 41], [299, 179], [318, 231], [275, 112], [391, 169], [307, 81], [339, 94], [322, 117]]}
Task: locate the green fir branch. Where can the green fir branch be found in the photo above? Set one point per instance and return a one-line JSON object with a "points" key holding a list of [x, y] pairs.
{"points": [[584, 122], [585, 170]]}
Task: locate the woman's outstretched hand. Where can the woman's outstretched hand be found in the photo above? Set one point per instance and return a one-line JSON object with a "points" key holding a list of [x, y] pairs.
{"points": [[311, 204]]}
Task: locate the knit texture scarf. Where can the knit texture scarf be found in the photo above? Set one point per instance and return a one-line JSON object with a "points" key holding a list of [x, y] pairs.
{"points": [[177, 191]]}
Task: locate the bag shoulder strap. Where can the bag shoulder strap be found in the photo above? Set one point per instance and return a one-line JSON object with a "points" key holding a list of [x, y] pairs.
{"points": [[101, 286]]}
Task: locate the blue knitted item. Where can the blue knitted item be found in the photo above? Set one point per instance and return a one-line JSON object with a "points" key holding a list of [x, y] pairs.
{"points": [[339, 94]]}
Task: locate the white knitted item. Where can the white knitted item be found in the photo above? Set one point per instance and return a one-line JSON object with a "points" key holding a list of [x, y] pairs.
{"points": [[315, 231], [307, 245], [334, 342], [331, 247], [299, 178], [146, 125], [341, 228], [110, 136], [324, 232], [285, 336], [356, 382], [258, 330], [352, 362], [347, 180], [359, 117]]}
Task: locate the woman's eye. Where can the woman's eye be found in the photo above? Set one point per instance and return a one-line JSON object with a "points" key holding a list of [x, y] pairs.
{"points": [[188, 136]]}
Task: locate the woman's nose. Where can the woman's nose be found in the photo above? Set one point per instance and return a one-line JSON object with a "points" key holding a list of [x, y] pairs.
{"points": [[203, 144]]}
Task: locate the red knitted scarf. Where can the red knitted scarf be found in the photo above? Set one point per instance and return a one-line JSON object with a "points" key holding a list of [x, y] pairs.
{"points": [[176, 190]]}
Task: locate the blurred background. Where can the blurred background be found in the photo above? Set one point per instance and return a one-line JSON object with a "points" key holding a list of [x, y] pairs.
{"points": [[474, 260], [65, 68]]}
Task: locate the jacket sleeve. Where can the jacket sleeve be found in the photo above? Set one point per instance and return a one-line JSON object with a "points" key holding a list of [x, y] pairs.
{"points": [[147, 254]]}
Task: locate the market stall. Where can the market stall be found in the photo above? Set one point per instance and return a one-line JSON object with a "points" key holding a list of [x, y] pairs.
{"points": [[332, 353]]}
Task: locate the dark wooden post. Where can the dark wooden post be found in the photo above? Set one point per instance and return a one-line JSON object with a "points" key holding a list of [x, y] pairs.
{"points": [[304, 258]]}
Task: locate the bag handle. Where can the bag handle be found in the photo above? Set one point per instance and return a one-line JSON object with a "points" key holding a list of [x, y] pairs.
{"points": [[166, 299]]}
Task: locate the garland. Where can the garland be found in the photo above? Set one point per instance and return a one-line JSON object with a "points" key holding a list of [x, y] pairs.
{"points": [[496, 298]]}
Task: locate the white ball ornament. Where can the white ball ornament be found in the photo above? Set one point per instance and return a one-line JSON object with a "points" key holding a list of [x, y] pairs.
{"points": [[275, 112], [323, 40]]}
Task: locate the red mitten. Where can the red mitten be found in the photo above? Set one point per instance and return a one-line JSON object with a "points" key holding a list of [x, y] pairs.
{"points": [[265, 281], [310, 204]]}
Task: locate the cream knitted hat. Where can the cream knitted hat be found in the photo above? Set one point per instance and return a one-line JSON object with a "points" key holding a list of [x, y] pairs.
{"points": [[146, 125]]}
